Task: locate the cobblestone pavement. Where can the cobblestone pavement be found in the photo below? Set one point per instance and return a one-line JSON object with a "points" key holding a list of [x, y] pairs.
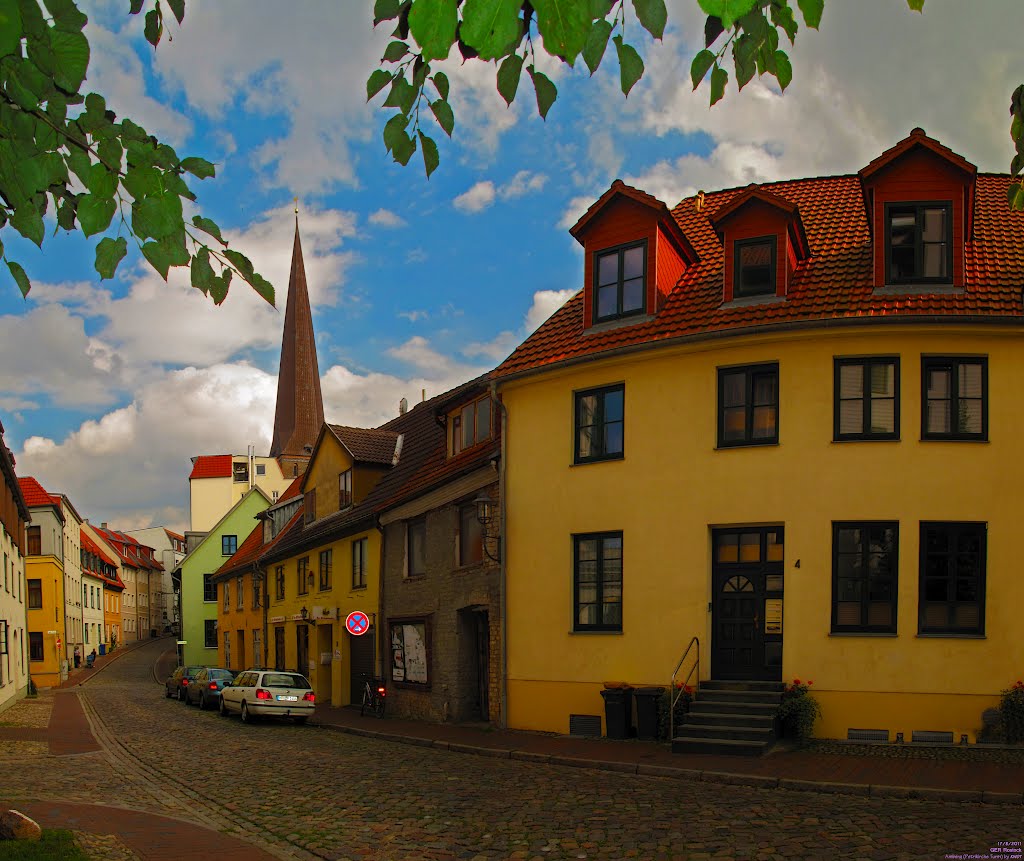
{"points": [[304, 792]]}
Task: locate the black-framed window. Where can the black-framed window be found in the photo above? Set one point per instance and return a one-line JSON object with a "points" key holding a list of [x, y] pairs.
{"points": [[599, 423], [326, 563], [954, 398], [35, 645], [210, 634], [359, 563], [416, 548], [865, 571], [620, 281], [279, 582], [597, 582], [867, 398], [952, 589], [35, 594], [748, 405], [209, 588], [919, 242], [754, 267], [228, 545], [344, 489], [302, 575]]}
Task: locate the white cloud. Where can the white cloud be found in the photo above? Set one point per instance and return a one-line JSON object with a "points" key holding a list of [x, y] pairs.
{"points": [[418, 353], [575, 208], [414, 316], [524, 182], [386, 218], [478, 198], [494, 350], [545, 303]]}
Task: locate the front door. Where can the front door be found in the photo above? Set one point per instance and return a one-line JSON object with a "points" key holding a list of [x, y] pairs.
{"points": [[279, 648], [747, 580], [302, 649]]}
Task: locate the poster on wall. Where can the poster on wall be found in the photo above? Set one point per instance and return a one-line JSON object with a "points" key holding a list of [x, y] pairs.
{"points": [[409, 652]]}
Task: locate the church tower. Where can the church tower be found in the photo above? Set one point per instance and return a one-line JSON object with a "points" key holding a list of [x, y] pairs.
{"points": [[300, 406]]}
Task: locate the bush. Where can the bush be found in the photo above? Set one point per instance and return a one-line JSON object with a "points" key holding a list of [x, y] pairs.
{"points": [[1011, 710], [798, 711], [682, 707]]}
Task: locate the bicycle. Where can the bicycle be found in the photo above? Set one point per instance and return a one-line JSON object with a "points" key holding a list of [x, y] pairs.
{"points": [[374, 693]]}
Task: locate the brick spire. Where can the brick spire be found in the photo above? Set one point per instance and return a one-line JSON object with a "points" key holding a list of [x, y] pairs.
{"points": [[300, 405]]}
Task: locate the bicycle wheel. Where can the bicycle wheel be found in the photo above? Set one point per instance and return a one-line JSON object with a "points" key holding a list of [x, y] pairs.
{"points": [[366, 701], [378, 706]]}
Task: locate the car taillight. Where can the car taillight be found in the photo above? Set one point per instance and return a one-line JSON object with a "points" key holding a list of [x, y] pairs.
{"points": [[184, 683], [382, 691], [262, 694], [213, 686], [309, 697]]}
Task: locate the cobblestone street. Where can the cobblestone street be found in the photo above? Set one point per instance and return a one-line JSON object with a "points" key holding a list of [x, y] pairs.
{"points": [[305, 792]]}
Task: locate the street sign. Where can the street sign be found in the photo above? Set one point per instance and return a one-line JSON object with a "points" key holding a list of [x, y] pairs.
{"points": [[357, 623], [182, 642], [60, 643]]}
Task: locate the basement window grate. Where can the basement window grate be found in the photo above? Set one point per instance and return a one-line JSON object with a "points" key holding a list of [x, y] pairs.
{"points": [[585, 725], [867, 735], [924, 736]]}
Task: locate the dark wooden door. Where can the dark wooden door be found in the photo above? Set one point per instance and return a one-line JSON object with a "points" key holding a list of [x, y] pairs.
{"points": [[279, 649], [302, 649], [747, 571], [483, 663]]}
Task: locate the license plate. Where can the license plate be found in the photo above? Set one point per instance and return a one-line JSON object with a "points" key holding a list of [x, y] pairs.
{"points": [[289, 699]]}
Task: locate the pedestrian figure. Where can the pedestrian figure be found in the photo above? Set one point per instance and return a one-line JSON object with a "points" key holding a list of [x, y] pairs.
{"points": [[78, 657]]}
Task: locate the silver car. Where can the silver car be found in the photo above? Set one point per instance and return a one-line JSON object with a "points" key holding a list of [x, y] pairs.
{"points": [[268, 693]]}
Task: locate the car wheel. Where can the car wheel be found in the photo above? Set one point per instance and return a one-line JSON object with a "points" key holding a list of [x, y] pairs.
{"points": [[246, 717], [167, 692], [223, 708], [181, 695]]}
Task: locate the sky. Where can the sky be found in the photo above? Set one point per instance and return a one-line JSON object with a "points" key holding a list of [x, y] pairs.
{"points": [[109, 388]]}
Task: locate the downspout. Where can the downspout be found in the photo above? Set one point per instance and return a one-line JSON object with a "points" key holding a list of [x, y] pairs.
{"points": [[502, 554], [378, 658], [265, 601]]}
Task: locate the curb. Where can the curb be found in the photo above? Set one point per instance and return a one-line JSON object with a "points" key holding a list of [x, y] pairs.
{"points": [[754, 781]]}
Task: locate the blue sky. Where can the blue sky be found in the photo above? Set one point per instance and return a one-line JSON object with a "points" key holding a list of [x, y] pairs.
{"points": [[110, 387]]}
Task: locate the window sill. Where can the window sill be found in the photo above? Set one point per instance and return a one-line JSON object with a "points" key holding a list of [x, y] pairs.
{"points": [[735, 445], [617, 633], [612, 458], [921, 288], [414, 577], [952, 635], [358, 588], [617, 323], [747, 301], [954, 439], [471, 566], [892, 635], [879, 438]]}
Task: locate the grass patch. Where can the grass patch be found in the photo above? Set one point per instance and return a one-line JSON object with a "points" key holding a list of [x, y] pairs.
{"points": [[53, 845]]}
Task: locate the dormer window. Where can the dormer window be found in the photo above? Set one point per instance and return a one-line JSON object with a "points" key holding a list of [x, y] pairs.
{"points": [[344, 489], [754, 269], [919, 243], [471, 425], [620, 278]]}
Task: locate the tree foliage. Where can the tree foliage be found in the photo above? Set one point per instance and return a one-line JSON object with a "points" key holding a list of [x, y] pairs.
{"points": [[64, 154], [744, 36]]}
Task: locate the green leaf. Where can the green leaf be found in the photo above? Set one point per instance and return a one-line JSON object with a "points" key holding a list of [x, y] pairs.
{"points": [[565, 26], [782, 16], [440, 80], [432, 24], [402, 95], [24, 285], [916, 5], [10, 28], [28, 221], [430, 157], [201, 271], [208, 226], [109, 253], [395, 51], [32, 21], [545, 89], [727, 10], [156, 216], [135, 7], [1017, 164], [177, 7], [153, 31], [652, 15], [444, 116], [812, 10], [700, 65], [783, 69], [631, 67], [1015, 194], [141, 181], [509, 72], [492, 27], [393, 128], [385, 10], [102, 182], [66, 15], [67, 212], [158, 256], [244, 267], [95, 213], [219, 286], [377, 81], [712, 30], [597, 42], [719, 78], [110, 153], [198, 167]]}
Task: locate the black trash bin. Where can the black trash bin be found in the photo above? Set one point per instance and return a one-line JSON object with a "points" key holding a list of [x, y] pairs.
{"points": [[618, 711], [647, 700]]}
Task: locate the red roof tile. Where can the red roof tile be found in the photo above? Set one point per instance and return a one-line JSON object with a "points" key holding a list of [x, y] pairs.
{"points": [[211, 466], [34, 493], [834, 283]]}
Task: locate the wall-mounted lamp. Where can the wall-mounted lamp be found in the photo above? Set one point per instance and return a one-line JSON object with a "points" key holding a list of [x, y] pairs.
{"points": [[305, 615], [487, 517]]}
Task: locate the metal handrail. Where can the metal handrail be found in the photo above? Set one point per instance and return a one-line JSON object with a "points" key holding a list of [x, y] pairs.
{"points": [[676, 691]]}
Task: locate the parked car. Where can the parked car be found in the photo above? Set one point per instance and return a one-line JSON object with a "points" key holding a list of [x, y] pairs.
{"points": [[268, 693], [204, 689], [177, 682]]}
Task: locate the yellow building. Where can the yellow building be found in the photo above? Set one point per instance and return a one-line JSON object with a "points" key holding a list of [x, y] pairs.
{"points": [[782, 420]]}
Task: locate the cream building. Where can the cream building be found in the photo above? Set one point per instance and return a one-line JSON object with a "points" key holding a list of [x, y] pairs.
{"points": [[14, 515], [218, 481], [74, 605]]}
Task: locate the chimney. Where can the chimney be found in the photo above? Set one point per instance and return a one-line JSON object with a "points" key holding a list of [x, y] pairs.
{"points": [[104, 524], [423, 394], [403, 407]]}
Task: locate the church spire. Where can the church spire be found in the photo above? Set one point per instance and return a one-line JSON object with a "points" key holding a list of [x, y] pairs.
{"points": [[300, 405]]}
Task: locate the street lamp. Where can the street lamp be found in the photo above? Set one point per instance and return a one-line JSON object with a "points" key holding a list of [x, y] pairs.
{"points": [[488, 518]]}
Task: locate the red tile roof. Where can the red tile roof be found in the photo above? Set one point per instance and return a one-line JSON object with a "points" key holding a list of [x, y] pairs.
{"points": [[92, 547], [34, 493], [834, 283], [211, 466]]}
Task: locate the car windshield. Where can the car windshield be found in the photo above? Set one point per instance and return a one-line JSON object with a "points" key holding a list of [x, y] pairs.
{"points": [[221, 674], [191, 671], [285, 680]]}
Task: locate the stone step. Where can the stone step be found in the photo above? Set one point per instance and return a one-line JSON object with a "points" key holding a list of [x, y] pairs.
{"points": [[717, 706], [741, 733], [734, 747], [723, 695], [726, 719], [731, 685]]}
